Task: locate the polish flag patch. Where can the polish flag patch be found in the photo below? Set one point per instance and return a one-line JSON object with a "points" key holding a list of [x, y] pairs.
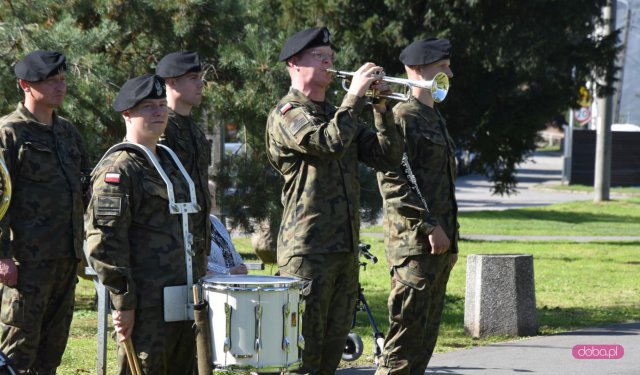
{"points": [[113, 178], [285, 108]]}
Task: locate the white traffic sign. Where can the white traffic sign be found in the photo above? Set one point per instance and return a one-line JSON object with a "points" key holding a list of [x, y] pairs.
{"points": [[583, 115]]}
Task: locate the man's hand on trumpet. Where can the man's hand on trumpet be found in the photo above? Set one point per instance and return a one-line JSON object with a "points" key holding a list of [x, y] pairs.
{"points": [[364, 77], [380, 88]]}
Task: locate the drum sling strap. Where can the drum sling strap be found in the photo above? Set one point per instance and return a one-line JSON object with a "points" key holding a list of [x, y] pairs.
{"points": [[178, 300]]}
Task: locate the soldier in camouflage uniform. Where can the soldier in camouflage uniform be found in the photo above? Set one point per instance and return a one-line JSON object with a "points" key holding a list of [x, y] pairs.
{"points": [[134, 243], [42, 233], [182, 72], [316, 147], [420, 242]]}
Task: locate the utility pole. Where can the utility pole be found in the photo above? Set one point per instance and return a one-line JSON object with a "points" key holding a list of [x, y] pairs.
{"points": [[621, 59], [602, 175]]}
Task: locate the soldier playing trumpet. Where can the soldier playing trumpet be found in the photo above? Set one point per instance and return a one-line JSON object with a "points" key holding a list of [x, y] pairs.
{"points": [[316, 147]]}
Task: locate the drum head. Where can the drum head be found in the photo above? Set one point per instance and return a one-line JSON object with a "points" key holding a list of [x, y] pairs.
{"points": [[254, 281]]}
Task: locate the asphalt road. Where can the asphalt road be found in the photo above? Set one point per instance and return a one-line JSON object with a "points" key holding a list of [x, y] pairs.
{"points": [[474, 192]]}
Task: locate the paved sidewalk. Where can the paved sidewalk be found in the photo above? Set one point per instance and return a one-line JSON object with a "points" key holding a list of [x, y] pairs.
{"points": [[546, 355]]}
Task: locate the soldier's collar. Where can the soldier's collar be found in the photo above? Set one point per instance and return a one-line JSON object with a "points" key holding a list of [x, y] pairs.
{"points": [[183, 121], [296, 95], [26, 115]]}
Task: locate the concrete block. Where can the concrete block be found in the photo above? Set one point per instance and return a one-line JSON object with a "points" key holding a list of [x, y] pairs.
{"points": [[500, 297]]}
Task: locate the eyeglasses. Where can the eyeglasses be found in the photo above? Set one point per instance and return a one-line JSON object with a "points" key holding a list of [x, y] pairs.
{"points": [[320, 56]]}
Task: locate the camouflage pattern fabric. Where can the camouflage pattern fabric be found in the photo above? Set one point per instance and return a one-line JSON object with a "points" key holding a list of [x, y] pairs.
{"points": [[416, 302], [133, 242], [330, 298], [44, 220], [43, 231], [162, 348], [316, 147], [189, 142], [136, 247], [431, 154], [419, 279], [36, 314]]}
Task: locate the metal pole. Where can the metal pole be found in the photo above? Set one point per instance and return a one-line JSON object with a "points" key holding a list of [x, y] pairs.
{"points": [[602, 173], [568, 149], [621, 58]]}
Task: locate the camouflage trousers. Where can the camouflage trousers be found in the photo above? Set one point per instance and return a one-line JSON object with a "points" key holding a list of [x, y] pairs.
{"points": [[416, 301], [330, 299], [162, 348], [36, 314]]}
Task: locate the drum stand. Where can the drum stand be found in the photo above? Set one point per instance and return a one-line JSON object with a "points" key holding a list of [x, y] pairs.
{"points": [[354, 347]]}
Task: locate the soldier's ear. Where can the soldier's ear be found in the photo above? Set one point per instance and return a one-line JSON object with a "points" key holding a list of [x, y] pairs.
{"points": [[24, 85], [292, 62]]}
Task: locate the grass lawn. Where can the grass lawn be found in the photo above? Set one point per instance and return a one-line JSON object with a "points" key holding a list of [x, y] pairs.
{"points": [[585, 218], [568, 294], [577, 284]]}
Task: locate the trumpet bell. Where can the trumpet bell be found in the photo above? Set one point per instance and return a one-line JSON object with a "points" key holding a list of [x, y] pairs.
{"points": [[439, 87], [5, 188]]}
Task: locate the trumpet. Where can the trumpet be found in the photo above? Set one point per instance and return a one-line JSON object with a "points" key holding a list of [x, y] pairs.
{"points": [[439, 86]]}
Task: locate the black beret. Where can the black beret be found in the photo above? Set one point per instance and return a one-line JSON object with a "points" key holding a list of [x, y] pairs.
{"points": [[425, 52], [40, 65], [315, 36], [135, 90], [179, 63]]}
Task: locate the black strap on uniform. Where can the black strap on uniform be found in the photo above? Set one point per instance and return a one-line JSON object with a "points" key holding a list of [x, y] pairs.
{"points": [[411, 178]]}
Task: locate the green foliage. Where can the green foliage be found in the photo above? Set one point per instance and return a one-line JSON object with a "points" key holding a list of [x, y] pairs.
{"points": [[243, 188], [516, 64]]}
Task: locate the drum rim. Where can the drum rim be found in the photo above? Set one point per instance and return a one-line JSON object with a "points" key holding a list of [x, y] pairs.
{"points": [[229, 282]]}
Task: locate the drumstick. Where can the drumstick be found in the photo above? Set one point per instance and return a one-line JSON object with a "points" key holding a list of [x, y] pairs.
{"points": [[129, 359], [132, 358]]}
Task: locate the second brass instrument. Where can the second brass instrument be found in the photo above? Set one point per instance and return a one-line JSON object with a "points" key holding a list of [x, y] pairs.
{"points": [[439, 86], [5, 187]]}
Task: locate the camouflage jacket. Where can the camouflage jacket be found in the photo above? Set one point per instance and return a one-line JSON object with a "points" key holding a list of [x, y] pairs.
{"points": [[431, 153], [133, 242], [316, 148], [188, 141], [44, 220]]}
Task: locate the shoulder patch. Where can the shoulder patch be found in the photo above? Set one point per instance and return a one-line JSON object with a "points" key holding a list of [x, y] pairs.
{"points": [[298, 123], [285, 108], [112, 177], [108, 205]]}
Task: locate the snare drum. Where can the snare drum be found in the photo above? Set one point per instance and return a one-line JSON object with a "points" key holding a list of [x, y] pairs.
{"points": [[256, 322]]}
